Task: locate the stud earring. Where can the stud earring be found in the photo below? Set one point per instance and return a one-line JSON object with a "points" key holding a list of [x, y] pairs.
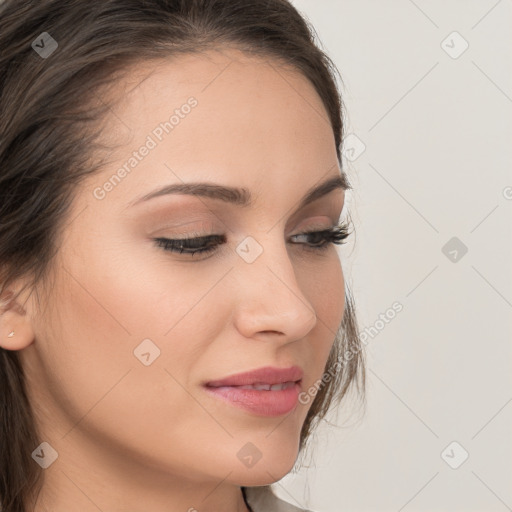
{"points": [[11, 334]]}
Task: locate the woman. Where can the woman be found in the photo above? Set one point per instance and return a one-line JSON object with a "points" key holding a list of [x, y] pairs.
{"points": [[171, 192]]}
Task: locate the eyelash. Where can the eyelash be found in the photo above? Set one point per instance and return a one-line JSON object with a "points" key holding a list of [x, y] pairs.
{"points": [[335, 235]]}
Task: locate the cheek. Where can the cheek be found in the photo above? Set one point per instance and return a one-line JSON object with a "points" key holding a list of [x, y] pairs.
{"points": [[327, 296], [89, 347], [326, 291], [96, 381], [331, 292], [119, 296]]}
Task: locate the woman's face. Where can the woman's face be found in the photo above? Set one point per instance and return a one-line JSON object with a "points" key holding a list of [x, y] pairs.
{"points": [[133, 331]]}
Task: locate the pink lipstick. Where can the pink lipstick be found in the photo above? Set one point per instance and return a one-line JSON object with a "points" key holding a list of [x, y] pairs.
{"points": [[267, 391]]}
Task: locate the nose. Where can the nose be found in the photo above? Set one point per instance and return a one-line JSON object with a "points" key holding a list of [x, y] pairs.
{"points": [[269, 299]]}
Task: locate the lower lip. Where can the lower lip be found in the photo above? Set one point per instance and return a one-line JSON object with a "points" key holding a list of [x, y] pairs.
{"points": [[261, 402]]}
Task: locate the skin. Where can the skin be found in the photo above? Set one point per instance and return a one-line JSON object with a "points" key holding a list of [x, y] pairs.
{"points": [[135, 437]]}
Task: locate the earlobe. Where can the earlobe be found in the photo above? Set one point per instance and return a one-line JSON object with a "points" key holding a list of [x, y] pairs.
{"points": [[16, 331]]}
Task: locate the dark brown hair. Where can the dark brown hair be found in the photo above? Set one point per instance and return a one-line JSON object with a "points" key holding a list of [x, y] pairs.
{"points": [[50, 113]]}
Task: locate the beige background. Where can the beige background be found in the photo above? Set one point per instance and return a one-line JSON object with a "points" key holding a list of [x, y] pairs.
{"points": [[437, 130]]}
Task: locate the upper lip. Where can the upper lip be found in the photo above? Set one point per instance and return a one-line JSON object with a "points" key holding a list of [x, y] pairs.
{"points": [[265, 375]]}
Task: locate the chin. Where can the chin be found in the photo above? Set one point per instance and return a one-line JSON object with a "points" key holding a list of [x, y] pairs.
{"points": [[267, 470]]}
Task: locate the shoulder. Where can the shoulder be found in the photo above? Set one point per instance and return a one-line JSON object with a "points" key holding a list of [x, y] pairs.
{"points": [[263, 499]]}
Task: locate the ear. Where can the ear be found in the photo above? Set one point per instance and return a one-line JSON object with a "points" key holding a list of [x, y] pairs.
{"points": [[16, 330]]}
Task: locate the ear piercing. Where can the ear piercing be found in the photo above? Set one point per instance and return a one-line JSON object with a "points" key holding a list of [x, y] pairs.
{"points": [[11, 334]]}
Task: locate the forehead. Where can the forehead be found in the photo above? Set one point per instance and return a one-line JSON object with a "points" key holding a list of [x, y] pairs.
{"points": [[253, 120]]}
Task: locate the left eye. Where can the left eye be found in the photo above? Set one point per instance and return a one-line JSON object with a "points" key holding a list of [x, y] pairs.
{"points": [[206, 244]]}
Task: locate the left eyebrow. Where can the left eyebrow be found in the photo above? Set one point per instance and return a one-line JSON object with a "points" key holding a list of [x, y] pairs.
{"points": [[241, 196]]}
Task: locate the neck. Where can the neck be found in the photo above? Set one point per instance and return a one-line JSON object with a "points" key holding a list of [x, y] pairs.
{"points": [[86, 482]]}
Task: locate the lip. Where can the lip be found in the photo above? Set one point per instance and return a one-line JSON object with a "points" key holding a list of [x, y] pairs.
{"points": [[259, 402], [265, 375]]}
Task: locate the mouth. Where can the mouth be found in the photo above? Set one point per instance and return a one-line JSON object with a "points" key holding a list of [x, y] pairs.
{"points": [[261, 399], [269, 387], [265, 376], [260, 386]]}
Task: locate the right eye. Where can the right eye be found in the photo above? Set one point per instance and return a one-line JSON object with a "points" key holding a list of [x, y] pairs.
{"points": [[201, 245]]}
